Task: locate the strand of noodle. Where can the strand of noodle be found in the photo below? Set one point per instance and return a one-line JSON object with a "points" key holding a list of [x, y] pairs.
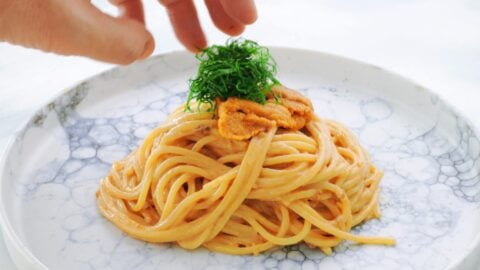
{"points": [[309, 214], [263, 220], [185, 128], [300, 146], [314, 237], [321, 161], [293, 137], [183, 207], [149, 140], [238, 229], [217, 194], [247, 174], [246, 215], [146, 181], [173, 192], [284, 216], [369, 208], [289, 158], [294, 169], [280, 148], [299, 195], [202, 142], [237, 158], [231, 249], [116, 192], [160, 192]]}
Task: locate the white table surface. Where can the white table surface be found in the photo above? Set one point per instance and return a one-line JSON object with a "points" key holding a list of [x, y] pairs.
{"points": [[434, 42]]}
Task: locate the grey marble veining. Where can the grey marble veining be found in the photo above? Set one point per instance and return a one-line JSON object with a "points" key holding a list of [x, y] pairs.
{"points": [[430, 192]]}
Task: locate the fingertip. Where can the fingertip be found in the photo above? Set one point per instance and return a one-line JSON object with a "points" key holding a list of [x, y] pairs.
{"points": [[222, 20], [195, 46], [249, 18], [201, 43], [186, 25], [234, 30], [248, 15], [149, 47], [243, 11], [137, 45], [237, 31]]}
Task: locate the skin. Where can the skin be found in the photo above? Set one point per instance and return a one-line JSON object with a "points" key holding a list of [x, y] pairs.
{"points": [[76, 27]]}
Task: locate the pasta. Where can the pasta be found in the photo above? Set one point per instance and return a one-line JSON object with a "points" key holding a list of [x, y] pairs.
{"points": [[190, 184]]}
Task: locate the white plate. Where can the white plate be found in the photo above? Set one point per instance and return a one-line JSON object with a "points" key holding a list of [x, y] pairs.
{"points": [[430, 194]]}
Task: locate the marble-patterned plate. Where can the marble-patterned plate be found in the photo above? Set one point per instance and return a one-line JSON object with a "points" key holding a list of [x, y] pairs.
{"points": [[430, 197]]}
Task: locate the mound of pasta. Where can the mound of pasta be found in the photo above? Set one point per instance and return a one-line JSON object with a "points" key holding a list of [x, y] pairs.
{"points": [[250, 178]]}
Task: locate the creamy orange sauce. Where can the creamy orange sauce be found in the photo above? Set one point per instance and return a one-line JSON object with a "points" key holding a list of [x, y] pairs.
{"points": [[241, 119]]}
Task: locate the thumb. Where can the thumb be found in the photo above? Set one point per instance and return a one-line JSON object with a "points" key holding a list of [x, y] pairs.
{"points": [[77, 28], [100, 36]]}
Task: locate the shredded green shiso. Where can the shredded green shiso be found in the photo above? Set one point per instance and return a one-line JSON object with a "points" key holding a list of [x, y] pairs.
{"points": [[241, 68]]}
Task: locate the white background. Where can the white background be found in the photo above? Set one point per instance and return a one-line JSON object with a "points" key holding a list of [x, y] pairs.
{"points": [[434, 42]]}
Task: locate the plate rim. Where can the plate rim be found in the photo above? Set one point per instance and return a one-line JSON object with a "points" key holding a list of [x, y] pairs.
{"points": [[17, 250]]}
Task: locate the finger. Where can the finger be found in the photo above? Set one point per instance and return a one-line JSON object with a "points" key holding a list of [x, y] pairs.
{"points": [[242, 10], [132, 9], [184, 19], [89, 32], [222, 20], [118, 40]]}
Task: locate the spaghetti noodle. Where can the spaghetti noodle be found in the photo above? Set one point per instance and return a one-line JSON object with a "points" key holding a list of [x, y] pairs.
{"points": [[190, 184]]}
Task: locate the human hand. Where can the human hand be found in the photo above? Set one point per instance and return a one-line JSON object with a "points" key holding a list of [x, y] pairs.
{"points": [[76, 27]]}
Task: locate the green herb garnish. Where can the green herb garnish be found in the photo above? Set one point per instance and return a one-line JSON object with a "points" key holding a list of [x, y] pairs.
{"points": [[241, 69]]}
